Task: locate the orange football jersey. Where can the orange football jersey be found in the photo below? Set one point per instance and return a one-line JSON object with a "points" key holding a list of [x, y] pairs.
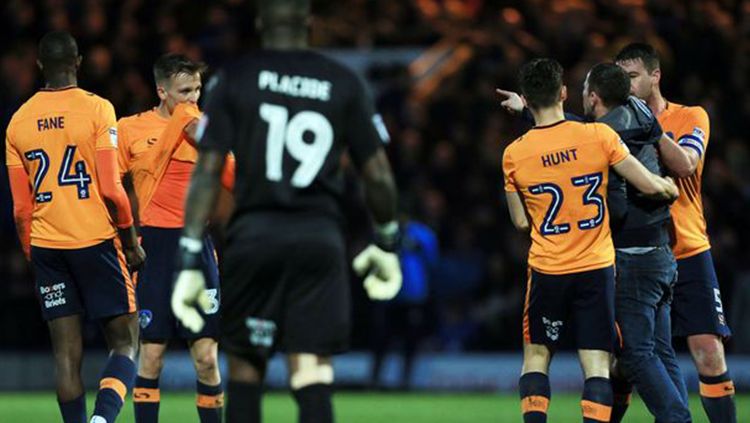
{"points": [[54, 136], [561, 171], [689, 127], [151, 149]]}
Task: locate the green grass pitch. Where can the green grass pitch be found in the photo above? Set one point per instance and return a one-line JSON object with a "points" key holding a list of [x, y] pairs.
{"points": [[355, 407]]}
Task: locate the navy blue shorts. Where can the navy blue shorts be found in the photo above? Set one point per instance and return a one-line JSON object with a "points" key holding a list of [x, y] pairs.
{"points": [[93, 281], [580, 303], [696, 306], [155, 282]]}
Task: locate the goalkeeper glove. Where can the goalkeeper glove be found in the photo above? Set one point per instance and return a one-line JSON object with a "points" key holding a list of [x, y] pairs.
{"points": [[383, 270], [190, 288]]}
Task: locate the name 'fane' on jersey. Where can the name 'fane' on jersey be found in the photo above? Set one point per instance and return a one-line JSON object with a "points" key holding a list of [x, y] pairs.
{"points": [[288, 116]]}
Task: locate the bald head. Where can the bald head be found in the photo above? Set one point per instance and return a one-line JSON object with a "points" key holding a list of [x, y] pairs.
{"points": [[58, 53], [283, 12], [283, 21]]}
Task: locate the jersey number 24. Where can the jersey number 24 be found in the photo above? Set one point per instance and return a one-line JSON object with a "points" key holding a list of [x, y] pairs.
{"points": [[80, 178], [285, 133]]}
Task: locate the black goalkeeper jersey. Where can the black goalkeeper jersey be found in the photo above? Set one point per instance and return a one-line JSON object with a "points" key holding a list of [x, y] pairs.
{"points": [[288, 117]]}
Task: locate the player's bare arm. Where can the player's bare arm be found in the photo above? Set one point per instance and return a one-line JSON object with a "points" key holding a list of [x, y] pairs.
{"points": [[680, 161], [378, 262], [517, 211], [646, 182], [380, 189]]}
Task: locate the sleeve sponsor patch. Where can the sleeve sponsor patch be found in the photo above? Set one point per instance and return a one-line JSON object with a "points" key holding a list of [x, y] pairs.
{"points": [[113, 136]]}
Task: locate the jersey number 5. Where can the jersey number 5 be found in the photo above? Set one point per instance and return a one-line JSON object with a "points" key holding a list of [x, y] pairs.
{"points": [[590, 197], [80, 178], [289, 133]]}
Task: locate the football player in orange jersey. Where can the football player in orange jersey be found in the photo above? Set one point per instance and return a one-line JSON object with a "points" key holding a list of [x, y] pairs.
{"points": [[159, 156], [556, 178], [80, 263], [697, 311]]}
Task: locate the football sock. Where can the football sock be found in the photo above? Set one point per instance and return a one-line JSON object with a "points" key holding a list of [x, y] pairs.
{"points": [[717, 396], [118, 376], [535, 395], [73, 411], [621, 392], [243, 402], [314, 402], [146, 397], [596, 403], [210, 402]]}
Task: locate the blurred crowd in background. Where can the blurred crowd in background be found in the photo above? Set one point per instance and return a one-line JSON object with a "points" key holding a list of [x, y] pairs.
{"points": [[447, 129]]}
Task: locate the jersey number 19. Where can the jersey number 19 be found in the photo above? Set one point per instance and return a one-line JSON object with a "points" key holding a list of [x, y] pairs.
{"points": [[285, 133]]}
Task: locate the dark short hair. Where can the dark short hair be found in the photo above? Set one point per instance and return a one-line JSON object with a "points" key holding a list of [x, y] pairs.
{"points": [[172, 64], [541, 81], [58, 51], [645, 52], [610, 83]]}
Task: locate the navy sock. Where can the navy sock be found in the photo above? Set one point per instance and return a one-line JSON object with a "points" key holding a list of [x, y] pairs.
{"points": [[314, 402], [146, 397], [535, 394], [717, 396], [73, 411], [118, 376], [596, 403], [243, 402], [621, 392], [210, 402]]}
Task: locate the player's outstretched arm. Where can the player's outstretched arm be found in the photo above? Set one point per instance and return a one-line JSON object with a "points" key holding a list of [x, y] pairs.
{"points": [[23, 206], [189, 290], [510, 101], [517, 211], [644, 181], [680, 161]]}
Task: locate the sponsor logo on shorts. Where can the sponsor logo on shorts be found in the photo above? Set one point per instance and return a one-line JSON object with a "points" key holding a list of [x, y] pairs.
{"points": [[262, 331], [53, 295], [144, 318], [552, 328], [719, 307]]}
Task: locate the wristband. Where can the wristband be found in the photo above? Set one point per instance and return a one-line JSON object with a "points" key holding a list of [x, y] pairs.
{"points": [[388, 236], [190, 253]]}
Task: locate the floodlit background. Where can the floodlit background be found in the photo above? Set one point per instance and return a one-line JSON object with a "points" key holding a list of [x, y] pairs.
{"points": [[432, 66]]}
